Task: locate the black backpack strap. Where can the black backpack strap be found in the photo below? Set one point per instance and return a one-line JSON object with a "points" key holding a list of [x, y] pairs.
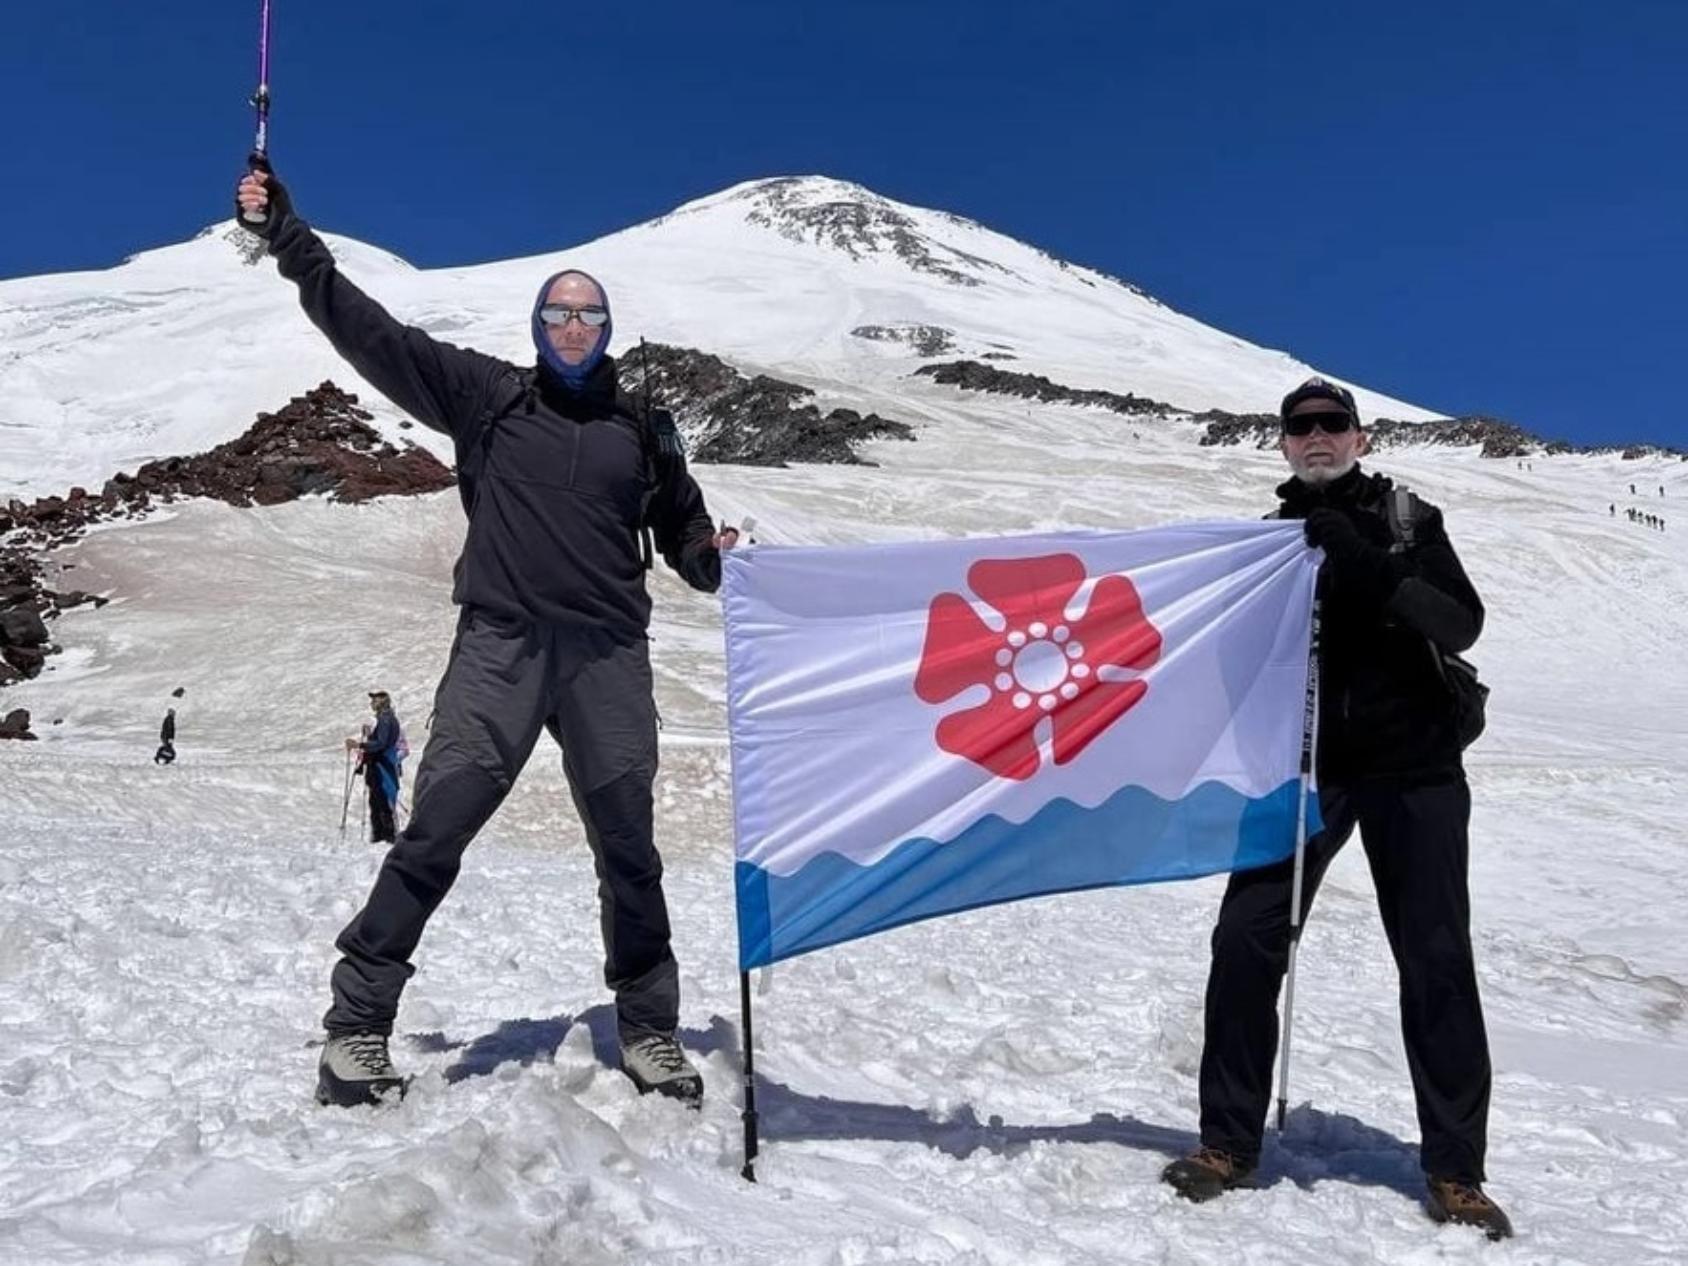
{"points": [[1402, 509], [508, 390], [1468, 696], [663, 451]]}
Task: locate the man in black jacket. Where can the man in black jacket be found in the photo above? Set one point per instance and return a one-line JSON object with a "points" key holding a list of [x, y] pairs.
{"points": [[560, 477], [1388, 761]]}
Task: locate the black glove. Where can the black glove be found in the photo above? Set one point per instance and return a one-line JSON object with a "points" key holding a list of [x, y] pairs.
{"points": [[280, 209], [1335, 533]]}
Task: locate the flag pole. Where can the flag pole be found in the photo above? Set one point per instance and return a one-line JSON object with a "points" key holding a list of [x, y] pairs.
{"points": [[748, 1173], [1309, 727]]}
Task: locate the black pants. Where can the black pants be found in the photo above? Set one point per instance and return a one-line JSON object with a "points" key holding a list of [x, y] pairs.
{"points": [[1416, 842], [381, 829], [504, 683]]}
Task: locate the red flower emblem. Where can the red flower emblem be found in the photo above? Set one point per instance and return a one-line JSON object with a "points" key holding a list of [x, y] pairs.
{"points": [[1040, 665]]}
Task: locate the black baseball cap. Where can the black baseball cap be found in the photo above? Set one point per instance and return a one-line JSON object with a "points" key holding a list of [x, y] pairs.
{"points": [[1320, 389]]}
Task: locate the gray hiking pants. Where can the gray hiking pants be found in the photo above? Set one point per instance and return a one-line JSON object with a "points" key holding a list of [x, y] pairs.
{"points": [[504, 683]]}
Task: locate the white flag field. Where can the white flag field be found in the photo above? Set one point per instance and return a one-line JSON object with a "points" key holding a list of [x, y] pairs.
{"points": [[924, 728]]}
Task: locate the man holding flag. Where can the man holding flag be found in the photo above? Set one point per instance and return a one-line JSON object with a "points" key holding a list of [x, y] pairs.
{"points": [[1388, 761]]}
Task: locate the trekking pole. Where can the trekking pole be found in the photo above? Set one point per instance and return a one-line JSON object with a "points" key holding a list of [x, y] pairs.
{"points": [[259, 157], [346, 800], [368, 773], [245, 237], [1309, 728]]}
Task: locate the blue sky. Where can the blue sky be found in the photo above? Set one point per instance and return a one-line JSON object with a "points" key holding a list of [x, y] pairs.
{"points": [[1478, 207]]}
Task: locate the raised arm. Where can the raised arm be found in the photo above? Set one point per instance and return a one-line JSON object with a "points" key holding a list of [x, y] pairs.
{"points": [[441, 386]]}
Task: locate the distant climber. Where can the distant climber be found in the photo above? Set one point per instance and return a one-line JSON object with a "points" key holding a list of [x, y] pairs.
{"points": [[380, 762], [166, 753]]}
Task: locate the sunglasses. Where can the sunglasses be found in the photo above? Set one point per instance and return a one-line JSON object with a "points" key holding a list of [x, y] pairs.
{"points": [[1302, 424], [559, 314]]}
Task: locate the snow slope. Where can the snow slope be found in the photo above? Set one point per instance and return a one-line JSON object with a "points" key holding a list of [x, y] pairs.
{"points": [[998, 1087]]}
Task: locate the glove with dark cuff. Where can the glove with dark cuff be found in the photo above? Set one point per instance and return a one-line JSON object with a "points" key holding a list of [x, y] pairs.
{"points": [[1358, 564], [1335, 533], [280, 208]]}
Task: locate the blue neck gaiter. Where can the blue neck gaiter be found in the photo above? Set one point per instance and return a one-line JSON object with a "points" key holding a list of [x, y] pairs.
{"points": [[573, 377]]}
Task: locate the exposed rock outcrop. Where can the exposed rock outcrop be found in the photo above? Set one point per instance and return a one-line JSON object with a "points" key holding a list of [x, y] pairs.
{"points": [[972, 375], [320, 442], [924, 340], [861, 224], [1495, 437], [1492, 436], [761, 421]]}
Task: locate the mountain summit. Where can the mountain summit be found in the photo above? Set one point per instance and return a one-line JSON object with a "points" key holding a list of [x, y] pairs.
{"points": [[808, 278]]}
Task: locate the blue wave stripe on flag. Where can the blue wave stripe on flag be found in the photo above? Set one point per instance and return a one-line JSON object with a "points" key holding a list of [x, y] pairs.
{"points": [[1133, 837]]}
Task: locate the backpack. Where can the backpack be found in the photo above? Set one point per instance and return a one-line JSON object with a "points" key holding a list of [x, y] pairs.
{"points": [[1468, 696], [660, 445]]}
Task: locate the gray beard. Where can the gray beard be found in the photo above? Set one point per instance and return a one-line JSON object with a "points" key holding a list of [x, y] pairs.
{"points": [[1322, 474]]}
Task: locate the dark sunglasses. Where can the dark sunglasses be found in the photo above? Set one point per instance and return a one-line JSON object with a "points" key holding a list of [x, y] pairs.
{"points": [[1332, 423], [559, 314]]}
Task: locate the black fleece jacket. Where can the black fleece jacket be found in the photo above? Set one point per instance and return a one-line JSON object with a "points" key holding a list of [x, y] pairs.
{"points": [[559, 478], [1384, 711]]}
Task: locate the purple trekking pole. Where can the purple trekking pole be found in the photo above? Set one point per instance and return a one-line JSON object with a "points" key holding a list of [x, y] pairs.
{"points": [[258, 159]]}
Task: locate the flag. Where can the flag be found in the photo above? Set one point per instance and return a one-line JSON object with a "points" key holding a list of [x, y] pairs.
{"points": [[924, 728]]}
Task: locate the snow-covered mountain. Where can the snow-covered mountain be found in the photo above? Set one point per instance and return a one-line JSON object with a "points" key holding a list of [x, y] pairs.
{"points": [[1001, 1086], [816, 279]]}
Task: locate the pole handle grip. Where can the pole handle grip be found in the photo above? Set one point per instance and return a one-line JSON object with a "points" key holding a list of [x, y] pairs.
{"points": [[258, 160]]}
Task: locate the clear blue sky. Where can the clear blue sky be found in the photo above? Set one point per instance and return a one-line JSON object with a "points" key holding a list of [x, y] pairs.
{"points": [[1482, 207]]}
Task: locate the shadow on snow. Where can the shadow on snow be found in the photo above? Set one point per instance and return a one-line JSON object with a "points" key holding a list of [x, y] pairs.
{"points": [[1317, 1146]]}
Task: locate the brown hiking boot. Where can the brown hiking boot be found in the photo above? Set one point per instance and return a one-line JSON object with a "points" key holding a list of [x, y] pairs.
{"points": [[1464, 1203], [1207, 1172]]}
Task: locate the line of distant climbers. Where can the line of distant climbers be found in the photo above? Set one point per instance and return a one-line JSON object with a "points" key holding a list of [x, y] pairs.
{"points": [[1639, 516]]}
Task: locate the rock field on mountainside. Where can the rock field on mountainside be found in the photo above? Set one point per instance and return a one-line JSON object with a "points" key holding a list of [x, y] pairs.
{"points": [[320, 442], [726, 416]]}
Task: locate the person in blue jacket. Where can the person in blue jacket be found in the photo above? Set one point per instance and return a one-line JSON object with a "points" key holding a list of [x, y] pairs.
{"points": [[379, 762]]}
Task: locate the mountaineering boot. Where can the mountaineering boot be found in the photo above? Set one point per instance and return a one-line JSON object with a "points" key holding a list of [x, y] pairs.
{"points": [[1205, 1173], [356, 1069], [1463, 1203], [654, 1061]]}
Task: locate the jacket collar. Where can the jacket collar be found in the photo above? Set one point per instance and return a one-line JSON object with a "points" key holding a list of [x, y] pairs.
{"points": [[594, 399]]}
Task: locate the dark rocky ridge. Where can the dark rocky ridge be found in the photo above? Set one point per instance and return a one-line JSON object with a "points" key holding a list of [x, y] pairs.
{"points": [[972, 375], [760, 421], [1495, 437], [320, 442]]}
